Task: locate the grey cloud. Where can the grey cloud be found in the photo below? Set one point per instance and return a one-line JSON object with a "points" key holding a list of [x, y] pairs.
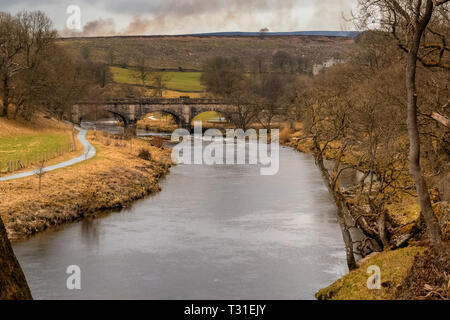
{"points": [[168, 16], [198, 7]]}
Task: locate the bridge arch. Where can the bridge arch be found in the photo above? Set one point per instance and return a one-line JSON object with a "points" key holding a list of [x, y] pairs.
{"points": [[130, 111], [176, 117], [125, 121], [207, 114]]}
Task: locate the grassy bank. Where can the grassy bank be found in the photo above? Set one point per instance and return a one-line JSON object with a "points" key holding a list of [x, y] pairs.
{"points": [[394, 265], [113, 179], [30, 142]]}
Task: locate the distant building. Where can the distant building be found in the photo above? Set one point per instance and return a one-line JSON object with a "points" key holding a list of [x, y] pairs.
{"points": [[318, 68]]}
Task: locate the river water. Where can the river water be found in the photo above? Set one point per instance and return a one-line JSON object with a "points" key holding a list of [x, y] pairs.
{"points": [[213, 232]]}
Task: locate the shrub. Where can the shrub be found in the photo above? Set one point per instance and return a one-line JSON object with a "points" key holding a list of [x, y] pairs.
{"points": [[145, 154], [429, 277], [157, 142], [285, 135]]}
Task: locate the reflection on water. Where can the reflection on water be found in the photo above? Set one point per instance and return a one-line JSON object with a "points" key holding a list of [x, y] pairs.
{"points": [[109, 125], [214, 232], [90, 231], [349, 177]]}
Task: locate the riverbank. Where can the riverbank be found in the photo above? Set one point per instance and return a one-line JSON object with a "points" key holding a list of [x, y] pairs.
{"points": [[412, 273], [403, 254], [394, 265], [118, 175], [403, 209]]}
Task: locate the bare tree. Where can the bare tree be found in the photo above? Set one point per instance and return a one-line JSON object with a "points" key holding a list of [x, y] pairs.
{"points": [[243, 112], [40, 172], [11, 45], [271, 93], [63, 80], [283, 62], [416, 25], [343, 112], [326, 124], [263, 32], [159, 83], [226, 78], [24, 42], [144, 73]]}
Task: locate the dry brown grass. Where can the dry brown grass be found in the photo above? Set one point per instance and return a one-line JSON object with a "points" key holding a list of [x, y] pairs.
{"points": [[38, 124], [285, 135], [165, 123], [429, 277], [112, 179]]}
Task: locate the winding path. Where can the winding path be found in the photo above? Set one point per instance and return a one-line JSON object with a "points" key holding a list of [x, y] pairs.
{"points": [[88, 153]]}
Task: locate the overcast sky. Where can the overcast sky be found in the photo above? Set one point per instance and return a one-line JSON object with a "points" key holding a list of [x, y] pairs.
{"points": [[108, 17]]}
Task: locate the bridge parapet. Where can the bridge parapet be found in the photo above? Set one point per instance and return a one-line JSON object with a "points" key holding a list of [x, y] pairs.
{"points": [[157, 101]]}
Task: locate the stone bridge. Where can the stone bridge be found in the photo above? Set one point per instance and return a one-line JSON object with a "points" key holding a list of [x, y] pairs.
{"points": [[130, 111]]}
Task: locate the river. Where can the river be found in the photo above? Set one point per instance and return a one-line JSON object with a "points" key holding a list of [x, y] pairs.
{"points": [[213, 232]]}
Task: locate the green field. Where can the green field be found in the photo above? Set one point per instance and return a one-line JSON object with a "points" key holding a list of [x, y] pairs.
{"points": [[30, 148], [208, 116], [177, 81], [205, 116]]}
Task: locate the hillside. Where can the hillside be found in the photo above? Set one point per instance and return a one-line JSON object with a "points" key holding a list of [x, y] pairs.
{"points": [[191, 52], [349, 34]]}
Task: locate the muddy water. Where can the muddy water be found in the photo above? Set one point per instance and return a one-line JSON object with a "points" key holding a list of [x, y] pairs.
{"points": [[214, 232]]}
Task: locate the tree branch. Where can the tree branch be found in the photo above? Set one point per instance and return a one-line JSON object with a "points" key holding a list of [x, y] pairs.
{"points": [[438, 3]]}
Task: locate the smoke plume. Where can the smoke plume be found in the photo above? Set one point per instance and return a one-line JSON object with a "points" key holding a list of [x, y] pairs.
{"points": [[193, 16]]}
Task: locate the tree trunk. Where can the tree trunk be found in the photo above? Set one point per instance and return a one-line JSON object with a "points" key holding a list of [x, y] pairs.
{"points": [[5, 96], [413, 132], [348, 241], [13, 285], [347, 237], [382, 229]]}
